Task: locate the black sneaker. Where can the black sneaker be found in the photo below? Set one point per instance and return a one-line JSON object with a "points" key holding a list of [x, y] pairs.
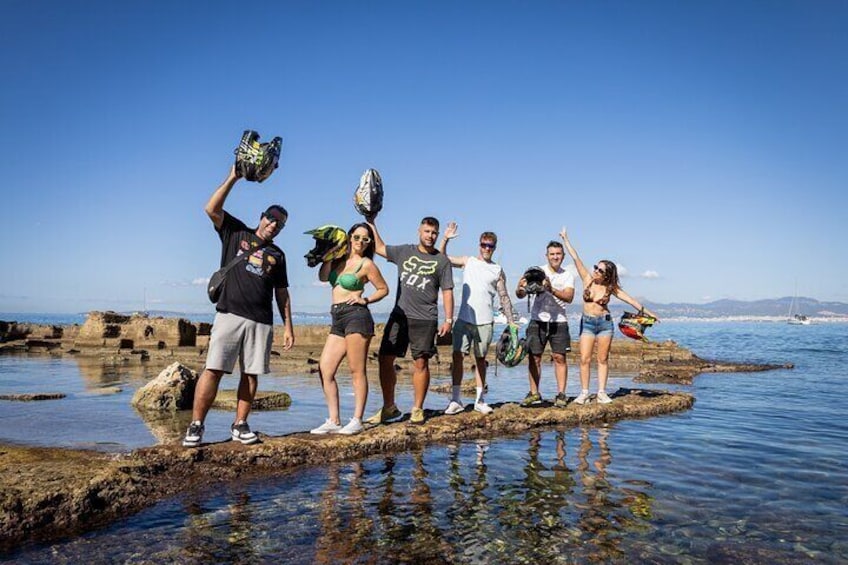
{"points": [[241, 432], [194, 434], [561, 400]]}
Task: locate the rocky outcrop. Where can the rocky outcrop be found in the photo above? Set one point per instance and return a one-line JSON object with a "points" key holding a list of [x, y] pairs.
{"points": [[11, 331], [138, 331], [48, 493], [34, 396], [172, 390]]}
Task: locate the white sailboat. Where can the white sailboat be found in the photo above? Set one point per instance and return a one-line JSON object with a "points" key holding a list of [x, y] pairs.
{"points": [[795, 318]]}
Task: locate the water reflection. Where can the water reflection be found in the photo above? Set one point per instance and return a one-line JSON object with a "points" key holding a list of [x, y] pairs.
{"points": [[165, 426], [545, 498], [96, 373], [220, 536], [544, 510]]}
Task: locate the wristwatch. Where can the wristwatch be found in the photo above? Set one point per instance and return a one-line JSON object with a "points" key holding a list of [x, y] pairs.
{"points": [[449, 321]]}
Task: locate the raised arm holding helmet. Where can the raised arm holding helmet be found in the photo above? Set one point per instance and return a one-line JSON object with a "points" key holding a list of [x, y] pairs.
{"points": [[596, 324]]}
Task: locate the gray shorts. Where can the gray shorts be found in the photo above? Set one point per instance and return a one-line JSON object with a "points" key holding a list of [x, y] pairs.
{"points": [[466, 335], [236, 338]]}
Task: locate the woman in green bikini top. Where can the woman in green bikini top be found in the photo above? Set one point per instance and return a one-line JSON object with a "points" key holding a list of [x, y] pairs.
{"points": [[352, 327], [348, 281]]}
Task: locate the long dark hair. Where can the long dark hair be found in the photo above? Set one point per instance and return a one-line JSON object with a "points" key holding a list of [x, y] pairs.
{"points": [[610, 279], [369, 249]]}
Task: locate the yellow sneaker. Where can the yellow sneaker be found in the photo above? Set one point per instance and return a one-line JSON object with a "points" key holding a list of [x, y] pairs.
{"points": [[384, 415], [417, 416]]}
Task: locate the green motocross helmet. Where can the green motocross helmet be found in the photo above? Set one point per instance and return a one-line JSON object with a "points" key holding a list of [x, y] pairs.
{"points": [[511, 349]]}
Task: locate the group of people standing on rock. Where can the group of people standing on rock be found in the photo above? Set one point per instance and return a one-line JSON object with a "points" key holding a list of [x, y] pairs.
{"points": [[242, 329]]}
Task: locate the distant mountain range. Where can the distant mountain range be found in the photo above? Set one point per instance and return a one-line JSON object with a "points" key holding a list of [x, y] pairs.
{"points": [[726, 308], [773, 307]]}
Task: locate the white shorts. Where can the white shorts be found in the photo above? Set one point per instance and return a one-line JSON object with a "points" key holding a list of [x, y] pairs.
{"points": [[234, 337]]}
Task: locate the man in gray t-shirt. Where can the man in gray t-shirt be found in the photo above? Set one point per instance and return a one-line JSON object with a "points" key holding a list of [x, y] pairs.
{"points": [[413, 323]]}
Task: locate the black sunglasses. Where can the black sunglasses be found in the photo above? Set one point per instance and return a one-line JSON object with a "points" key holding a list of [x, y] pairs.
{"points": [[602, 271], [280, 222], [487, 245]]}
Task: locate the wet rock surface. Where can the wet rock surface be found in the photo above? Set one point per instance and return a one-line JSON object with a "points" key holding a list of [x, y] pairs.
{"points": [[264, 400], [50, 493], [172, 389], [33, 396], [47, 493]]}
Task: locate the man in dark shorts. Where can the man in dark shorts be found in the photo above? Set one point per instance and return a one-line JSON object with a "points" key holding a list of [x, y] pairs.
{"points": [[549, 324], [413, 323], [243, 327]]}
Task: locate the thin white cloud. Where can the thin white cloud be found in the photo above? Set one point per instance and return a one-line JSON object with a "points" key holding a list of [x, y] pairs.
{"points": [[649, 274], [200, 281], [622, 270]]}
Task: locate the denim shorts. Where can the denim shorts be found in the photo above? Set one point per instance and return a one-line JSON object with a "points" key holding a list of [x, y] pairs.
{"points": [[596, 325], [351, 319]]}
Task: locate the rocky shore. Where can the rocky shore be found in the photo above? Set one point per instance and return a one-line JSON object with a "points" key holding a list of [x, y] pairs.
{"points": [[118, 339], [46, 493]]}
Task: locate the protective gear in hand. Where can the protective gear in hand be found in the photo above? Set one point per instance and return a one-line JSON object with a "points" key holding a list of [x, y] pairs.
{"points": [[535, 279], [511, 349], [330, 243], [256, 161], [634, 325], [368, 196]]}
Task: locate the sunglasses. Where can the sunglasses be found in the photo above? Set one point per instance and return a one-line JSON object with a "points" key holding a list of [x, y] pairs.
{"points": [[272, 219], [487, 245], [602, 271], [362, 238]]}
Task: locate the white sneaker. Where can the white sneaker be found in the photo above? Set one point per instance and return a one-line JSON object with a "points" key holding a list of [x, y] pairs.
{"points": [[328, 427], [454, 408], [603, 398], [352, 427], [582, 398], [483, 408]]}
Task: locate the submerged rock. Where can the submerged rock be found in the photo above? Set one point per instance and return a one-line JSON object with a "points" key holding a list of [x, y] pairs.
{"points": [[172, 390], [264, 400], [33, 396]]}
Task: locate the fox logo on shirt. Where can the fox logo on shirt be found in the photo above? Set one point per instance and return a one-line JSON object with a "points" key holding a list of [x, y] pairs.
{"points": [[415, 270], [419, 266]]}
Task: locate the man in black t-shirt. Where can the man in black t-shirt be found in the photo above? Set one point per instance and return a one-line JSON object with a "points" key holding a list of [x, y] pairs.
{"points": [[243, 327]]}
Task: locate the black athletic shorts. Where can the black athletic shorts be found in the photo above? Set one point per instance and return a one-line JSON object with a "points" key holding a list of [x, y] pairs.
{"points": [[351, 319], [402, 333], [539, 334]]}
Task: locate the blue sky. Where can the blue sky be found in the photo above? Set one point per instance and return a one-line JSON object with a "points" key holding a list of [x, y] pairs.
{"points": [[701, 146]]}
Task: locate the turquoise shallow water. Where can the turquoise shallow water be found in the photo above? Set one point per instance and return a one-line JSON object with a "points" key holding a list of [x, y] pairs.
{"points": [[756, 472]]}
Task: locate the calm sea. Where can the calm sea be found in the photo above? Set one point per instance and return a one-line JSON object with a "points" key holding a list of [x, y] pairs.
{"points": [[756, 472]]}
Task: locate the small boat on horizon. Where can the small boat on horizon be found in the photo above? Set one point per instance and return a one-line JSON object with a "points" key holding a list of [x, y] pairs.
{"points": [[795, 318]]}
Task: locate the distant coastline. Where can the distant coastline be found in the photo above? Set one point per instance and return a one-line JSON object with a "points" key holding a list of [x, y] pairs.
{"points": [[316, 318]]}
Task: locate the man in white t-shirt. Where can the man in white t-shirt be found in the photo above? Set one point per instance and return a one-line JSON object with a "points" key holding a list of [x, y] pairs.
{"points": [[549, 324], [482, 280]]}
